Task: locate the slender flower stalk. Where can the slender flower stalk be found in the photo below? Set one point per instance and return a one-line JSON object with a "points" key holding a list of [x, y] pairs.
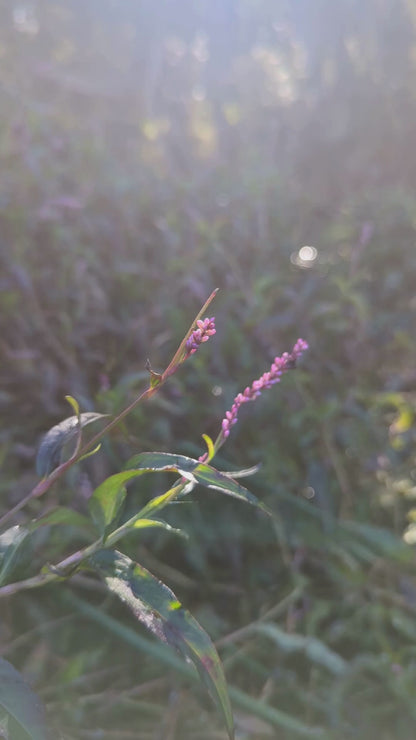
{"points": [[189, 345], [205, 329], [279, 366]]}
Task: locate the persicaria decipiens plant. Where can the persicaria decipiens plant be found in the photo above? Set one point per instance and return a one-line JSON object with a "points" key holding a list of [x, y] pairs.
{"points": [[151, 601]]}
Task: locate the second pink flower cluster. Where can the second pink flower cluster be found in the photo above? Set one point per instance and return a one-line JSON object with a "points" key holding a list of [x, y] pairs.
{"points": [[279, 366]]}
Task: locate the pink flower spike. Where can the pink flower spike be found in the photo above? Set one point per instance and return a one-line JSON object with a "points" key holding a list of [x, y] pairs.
{"points": [[280, 365], [205, 329]]}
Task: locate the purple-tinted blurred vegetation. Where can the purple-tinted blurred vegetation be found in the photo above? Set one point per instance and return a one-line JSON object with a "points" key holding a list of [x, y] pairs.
{"points": [[150, 152]]}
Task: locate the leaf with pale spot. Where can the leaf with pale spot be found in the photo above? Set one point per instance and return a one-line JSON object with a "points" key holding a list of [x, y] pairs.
{"points": [[157, 607], [50, 449]]}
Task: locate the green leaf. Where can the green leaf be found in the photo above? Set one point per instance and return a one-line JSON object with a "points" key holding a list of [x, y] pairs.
{"points": [[244, 472], [154, 604], [91, 452], [161, 653], [381, 541], [50, 450], [201, 472], [149, 523], [314, 649], [75, 405], [155, 378], [210, 446], [106, 501], [156, 504], [18, 699], [10, 543]]}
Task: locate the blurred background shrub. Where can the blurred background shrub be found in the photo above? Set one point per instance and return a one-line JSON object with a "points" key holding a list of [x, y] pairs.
{"points": [[150, 153]]}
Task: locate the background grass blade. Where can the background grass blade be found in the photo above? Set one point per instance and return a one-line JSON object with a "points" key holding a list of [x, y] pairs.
{"points": [[18, 699]]}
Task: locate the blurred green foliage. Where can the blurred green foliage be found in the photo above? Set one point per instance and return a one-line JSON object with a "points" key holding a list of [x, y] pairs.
{"points": [[150, 153]]}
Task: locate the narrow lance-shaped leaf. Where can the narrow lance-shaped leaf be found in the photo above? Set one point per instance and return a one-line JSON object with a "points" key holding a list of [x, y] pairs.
{"points": [[18, 699], [11, 542], [157, 607], [243, 472], [50, 449], [106, 501], [156, 504], [202, 473], [75, 405], [210, 447], [158, 524], [108, 498]]}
